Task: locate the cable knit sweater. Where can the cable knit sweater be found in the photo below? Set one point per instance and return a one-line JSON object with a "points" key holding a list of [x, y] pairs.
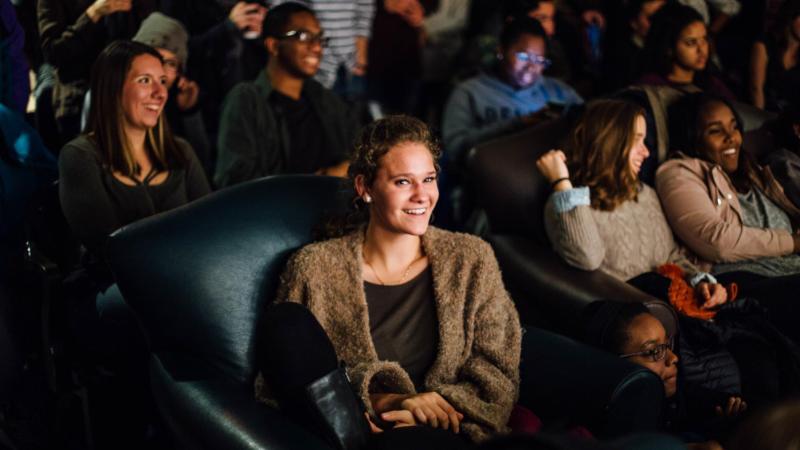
{"points": [[632, 239], [477, 363]]}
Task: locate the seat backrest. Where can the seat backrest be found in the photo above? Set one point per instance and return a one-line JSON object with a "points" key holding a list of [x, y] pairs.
{"points": [[198, 277], [507, 185]]}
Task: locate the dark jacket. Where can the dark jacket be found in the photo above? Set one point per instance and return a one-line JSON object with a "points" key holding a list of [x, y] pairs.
{"points": [[254, 139]]}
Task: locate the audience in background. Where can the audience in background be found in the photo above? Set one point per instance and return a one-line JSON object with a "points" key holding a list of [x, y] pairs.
{"points": [[73, 33], [394, 78], [623, 46], [677, 52], [284, 121], [722, 11], [774, 68], [348, 24], [225, 47], [513, 94]]}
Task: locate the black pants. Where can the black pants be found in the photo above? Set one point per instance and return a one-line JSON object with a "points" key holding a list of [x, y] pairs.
{"points": [[287, 369]]}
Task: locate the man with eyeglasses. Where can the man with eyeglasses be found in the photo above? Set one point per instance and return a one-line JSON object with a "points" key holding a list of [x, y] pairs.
{"points": [[284, 121], [512, 94]]}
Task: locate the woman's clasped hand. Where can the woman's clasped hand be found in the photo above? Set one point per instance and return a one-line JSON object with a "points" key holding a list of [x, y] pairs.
{"points": [[428, 408]]}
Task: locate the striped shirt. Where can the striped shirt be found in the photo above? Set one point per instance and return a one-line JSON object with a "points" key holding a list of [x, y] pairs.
{"points": [[342, 21]]}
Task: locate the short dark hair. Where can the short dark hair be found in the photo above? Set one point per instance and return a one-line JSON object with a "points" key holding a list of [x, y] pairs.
{"points": [[665, 29], [606, 324], [277, 19], [519, 26]]}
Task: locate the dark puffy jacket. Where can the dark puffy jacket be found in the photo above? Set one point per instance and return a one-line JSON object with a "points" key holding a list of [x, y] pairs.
{"points": [[704, 348]]}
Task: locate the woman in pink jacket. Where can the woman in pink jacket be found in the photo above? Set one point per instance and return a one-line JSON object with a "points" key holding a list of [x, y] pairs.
{"points": [[729, 210]]}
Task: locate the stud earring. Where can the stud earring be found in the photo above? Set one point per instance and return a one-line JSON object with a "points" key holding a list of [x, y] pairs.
{"points": [[367, 199]]}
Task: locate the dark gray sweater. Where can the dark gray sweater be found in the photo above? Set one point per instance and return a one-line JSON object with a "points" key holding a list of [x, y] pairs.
{"points": [[95, 203]]}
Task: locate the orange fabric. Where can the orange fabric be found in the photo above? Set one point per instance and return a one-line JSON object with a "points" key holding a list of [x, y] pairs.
{"points": [[684, 298]]}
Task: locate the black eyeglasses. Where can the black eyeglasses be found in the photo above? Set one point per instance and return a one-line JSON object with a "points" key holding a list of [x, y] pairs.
{"points": [[306, 37], [656, 353]]}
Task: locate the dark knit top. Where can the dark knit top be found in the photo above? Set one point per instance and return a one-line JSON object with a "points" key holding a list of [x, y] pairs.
{"points": [[403, 324], [95, 203]]}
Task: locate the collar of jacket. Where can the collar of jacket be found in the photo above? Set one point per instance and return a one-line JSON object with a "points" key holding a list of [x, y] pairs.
{"points": [[720, 187], [314, 92]]}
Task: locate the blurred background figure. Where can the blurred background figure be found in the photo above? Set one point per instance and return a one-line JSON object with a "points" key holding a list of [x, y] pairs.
{"points": [[395, 54], [226, 47], [348, 24], [73, 32], [624, 43], [774, 68]]}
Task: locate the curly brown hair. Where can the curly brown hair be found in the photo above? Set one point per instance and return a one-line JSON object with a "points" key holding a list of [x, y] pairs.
{"points": [[601, 146], [377, 138], [373, 142]]}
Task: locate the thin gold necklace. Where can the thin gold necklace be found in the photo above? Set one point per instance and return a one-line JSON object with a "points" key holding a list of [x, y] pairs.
{"points": [[405, 273]]}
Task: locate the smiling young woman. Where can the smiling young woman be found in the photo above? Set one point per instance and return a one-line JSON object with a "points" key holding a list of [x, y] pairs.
{"points": [[127, 165], [719, 201], [411, 310]]}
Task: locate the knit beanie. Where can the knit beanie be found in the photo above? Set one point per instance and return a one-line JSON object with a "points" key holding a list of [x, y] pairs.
{"points": [[160, 31]]}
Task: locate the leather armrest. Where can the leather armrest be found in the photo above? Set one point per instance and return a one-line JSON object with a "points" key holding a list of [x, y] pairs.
{"points": [[562, 378], [533, 273], [214, 414]]}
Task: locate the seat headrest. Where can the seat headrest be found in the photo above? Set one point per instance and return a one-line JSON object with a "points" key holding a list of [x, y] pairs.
{"points": [[199, 276]]}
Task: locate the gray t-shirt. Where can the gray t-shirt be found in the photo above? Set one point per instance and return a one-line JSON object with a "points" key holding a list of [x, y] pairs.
{"points": [[758, 211], [404, 325]]}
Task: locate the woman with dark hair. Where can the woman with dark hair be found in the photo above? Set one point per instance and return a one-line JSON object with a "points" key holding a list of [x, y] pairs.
{"points": [[676, 52], [719, 201], [600, 216], [774, 68], [418, 316], [127, 165]]}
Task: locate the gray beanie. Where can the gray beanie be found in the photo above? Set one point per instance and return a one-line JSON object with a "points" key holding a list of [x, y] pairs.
{"points": [[160, 31]]}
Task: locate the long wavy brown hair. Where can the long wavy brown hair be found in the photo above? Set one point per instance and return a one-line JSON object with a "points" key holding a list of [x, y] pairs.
{"points": [[601, 146]]}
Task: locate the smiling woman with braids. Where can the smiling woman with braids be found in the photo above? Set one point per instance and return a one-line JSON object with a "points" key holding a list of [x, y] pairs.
{"points": [[418, 315]]}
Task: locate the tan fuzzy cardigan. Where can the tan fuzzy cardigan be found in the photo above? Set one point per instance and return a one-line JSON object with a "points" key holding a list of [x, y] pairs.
{"points": [[477, 363]]}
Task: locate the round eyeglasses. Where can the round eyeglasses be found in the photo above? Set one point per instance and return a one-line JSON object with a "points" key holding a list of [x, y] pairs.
{"points": [[657, 353]]}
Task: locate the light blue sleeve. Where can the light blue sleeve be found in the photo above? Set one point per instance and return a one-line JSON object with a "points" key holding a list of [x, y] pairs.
{"points": [[570, 199]]}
